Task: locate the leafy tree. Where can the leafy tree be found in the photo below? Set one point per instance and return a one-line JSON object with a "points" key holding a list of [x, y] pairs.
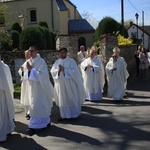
{"points": [[109, 26], [15, 39], [5, 41], [31, 35], [16, 27]]}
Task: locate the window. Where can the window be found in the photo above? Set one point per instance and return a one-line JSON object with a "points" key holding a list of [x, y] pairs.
{"points": [[33, 15]]}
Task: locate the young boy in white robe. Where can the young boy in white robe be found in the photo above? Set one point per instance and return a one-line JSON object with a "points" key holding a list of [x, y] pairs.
{"points": [[6, 102], [24, 99], [69, 93]]}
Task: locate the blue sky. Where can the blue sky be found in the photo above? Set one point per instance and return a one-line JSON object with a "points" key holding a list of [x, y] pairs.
{"points": [[112, 8]]}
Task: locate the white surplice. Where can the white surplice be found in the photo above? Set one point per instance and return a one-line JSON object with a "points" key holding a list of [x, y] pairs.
{"points": [[38, 92], [6, 102], [117, 80], [24, 98], [93, 78], [69, 92], [81, 56]]}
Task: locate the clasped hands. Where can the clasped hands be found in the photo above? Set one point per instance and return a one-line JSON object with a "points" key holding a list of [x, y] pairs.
{"points": [[89, 66], [61, 68], [29, 67], [114, 69]]}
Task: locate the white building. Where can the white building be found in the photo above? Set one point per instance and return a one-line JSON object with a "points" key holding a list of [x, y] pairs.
{"points": [[141, 34]]}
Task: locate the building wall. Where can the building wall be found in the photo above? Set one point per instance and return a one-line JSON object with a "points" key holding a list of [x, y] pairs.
{"points": [[146, 38], [73, 13], [18, 8]]}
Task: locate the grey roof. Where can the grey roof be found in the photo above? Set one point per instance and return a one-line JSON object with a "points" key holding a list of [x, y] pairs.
{"points": [[61, 5], [79, 26]]}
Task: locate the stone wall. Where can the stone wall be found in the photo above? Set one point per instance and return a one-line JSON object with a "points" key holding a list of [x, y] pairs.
{"points": [[109, 42], [15, 59]]}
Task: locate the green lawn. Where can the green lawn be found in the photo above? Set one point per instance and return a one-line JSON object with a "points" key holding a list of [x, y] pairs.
{"points": [[17, 91]]}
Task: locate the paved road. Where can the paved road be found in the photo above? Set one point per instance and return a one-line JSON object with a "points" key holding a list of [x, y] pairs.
{"points": [[102, 125]]}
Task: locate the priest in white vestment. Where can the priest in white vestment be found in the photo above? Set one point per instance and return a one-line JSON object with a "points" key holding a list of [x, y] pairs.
{"points": [[6, 102], [82, 54], [117, 75], [39, 91], [69, 92], [93, 75], [24, 99]]}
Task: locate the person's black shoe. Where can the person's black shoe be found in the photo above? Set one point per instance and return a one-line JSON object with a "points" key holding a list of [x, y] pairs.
{"points": [[48, 125], [30, 131], [8, 134], [28, 116], [62, 119]]}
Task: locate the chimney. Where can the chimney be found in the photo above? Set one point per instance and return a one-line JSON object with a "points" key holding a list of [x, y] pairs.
{"points": [[131, 23]]}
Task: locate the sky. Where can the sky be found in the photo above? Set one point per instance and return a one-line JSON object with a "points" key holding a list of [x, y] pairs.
{"points": [[98, 9]]}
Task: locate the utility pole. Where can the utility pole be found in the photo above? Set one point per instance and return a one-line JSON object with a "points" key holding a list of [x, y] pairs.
{"points": [[122, 16], [143, 25]]}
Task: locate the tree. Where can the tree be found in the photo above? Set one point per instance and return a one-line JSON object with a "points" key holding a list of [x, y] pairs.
{"points": [[15, 39], [31, 35], [16, 27], [109, 26], [5, 41]]}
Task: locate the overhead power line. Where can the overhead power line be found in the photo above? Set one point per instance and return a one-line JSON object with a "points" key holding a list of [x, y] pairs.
{"points": [[137, 9]]}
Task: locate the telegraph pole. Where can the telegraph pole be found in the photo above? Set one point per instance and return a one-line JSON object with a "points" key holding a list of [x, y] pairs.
{"points": [[143, 25], [122, 15]]}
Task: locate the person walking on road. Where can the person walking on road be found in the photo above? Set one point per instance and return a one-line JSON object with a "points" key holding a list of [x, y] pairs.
{"points": [[39, 90], [117, 75], [69, 92], [6, 102]]}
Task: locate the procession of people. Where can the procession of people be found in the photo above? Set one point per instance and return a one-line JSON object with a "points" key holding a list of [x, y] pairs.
{"points": [[74, 82]]}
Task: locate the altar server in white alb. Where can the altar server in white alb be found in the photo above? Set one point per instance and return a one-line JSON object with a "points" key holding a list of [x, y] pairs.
{"points": [[117, 75], [39, 91], [6, 102], [24, 99], [69, 93], [93, 75], [82, 54]]}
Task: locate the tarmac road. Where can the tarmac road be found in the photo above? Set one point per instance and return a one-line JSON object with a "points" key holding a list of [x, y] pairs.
{"points": [[104, 125]]}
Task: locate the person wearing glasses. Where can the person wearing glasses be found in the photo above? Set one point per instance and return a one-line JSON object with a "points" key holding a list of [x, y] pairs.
{"points": [[117, 75]]}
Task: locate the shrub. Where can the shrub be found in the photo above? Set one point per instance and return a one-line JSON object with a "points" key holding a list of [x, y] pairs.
{"points": [[16, 27], [109, 26], [5, 41], [43, 24], [15, 39], [31, 35]]}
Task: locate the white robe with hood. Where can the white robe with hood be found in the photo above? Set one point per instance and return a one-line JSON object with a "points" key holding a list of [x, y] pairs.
{"points": [[69, 92], [117, 80], [6, 102], [38, 93]]}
